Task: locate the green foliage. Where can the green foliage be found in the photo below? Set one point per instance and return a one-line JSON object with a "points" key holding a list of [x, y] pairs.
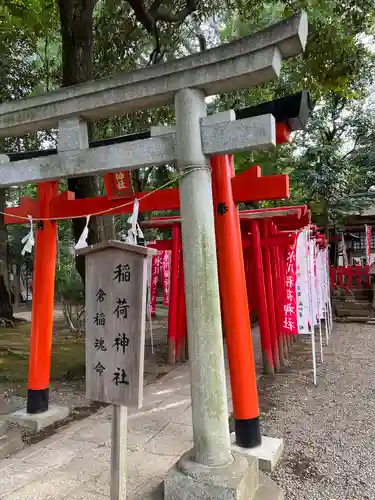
{"points": [[336, 58], [336, 67], [333, 161], [330, 162], [69, 288]]}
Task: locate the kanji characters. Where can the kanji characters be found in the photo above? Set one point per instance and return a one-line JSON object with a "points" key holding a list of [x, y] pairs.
{"points": [[122, 308]]}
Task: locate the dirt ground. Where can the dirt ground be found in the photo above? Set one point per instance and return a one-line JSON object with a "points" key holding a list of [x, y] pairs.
{"points": [[67, 364]]}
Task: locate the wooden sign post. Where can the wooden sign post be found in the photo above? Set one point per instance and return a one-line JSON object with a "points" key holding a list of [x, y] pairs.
{"points": [[116, 289]]}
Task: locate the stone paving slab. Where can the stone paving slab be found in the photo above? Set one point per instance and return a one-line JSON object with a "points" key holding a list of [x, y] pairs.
{"points": [[74, 463]]}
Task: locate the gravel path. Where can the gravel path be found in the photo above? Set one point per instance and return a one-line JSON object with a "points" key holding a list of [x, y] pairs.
{"points": [[328, 430]]}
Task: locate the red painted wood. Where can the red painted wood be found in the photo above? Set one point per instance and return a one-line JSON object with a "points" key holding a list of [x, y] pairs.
{"points": [[260, 288], [119, 185], [173, 294], [270, 290], [181, 309], [247, 186], [43, 293], [161, 245], [283, 133], [251, 186], [234, 303], [350, 277]]}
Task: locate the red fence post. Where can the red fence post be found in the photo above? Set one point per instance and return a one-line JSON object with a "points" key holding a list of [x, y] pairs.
{"points": [[278, 300], [350, 271]]}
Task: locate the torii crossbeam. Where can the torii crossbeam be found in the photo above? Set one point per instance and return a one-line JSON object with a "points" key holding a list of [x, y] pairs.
{"points": [[248, 186]]}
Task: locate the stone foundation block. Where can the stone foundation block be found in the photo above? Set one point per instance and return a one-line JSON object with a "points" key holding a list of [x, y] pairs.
{"points": [[268, 453], [188, 480], [38, 421]]}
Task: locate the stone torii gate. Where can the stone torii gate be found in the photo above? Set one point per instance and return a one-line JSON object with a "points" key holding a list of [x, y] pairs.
{"points": [[210, 470]]}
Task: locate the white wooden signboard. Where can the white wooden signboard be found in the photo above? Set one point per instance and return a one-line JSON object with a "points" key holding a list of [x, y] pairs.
{"points": [[116, 286]]}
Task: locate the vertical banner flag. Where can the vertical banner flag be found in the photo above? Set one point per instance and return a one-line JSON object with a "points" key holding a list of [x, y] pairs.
{"points": [[302, 283], [166, 266], [154, 280], [290, 302], [315, 281], [368, 243]]}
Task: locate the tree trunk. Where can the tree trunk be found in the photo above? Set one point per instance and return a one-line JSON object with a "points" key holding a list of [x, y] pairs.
{"points": [[6, 309], [108, 227], [76, 18], [17, 286]]}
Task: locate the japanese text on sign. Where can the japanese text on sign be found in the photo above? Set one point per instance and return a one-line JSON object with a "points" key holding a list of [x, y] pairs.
{"points": [[290, 302], [121, 274], [116, 311]]}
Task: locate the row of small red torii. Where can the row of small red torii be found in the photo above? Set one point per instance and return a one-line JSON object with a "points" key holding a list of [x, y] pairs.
{"points": [[251, 258], [265, 242]]}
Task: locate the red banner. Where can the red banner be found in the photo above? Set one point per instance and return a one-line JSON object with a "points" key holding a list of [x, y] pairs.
{"points": [[290, 324], [154, 281], [368, 243], [166, 265]]}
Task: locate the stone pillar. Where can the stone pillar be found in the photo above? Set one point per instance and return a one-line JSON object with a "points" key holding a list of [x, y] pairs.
{"points": [[209, 471], [209, 397]]}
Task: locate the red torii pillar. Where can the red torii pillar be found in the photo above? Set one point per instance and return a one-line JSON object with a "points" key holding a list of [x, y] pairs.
{"points": [[181, 337], [263, 317], [235, 310], [43, 303], [277, 300], [275, 245], [261, 264], [270, 290], [173, 293], [177, 312]]}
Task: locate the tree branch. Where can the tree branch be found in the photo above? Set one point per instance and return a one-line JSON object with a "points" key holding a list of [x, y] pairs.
{"points": [[200, 35], [158, 12], [143, 15], [166, 15], [353, 148], [149, 18]]}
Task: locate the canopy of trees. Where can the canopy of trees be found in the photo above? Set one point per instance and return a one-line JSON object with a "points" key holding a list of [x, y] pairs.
{"points": [[45, 44]]}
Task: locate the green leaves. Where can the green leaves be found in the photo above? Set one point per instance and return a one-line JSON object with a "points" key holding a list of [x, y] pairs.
{"points": [[36, 18], [335, 59], [337, 67]]}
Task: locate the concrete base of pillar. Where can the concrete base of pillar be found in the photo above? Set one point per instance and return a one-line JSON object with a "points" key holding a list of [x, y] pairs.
{"points": [[188, 480], [268, 453], [38, 421]]}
